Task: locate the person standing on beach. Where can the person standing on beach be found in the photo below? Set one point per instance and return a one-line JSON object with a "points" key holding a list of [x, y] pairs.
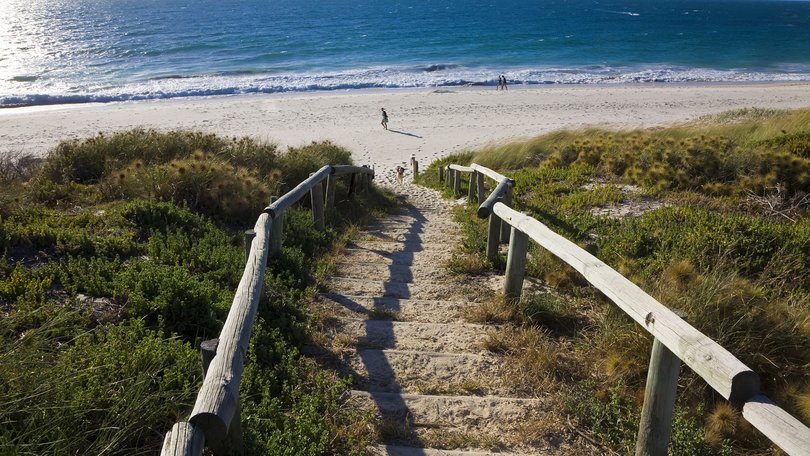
{"points": [[498, 87], [384, 122]]}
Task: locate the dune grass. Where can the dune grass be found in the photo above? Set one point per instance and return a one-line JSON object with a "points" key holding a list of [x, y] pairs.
{"points": [[120, 254], [715, 224]]}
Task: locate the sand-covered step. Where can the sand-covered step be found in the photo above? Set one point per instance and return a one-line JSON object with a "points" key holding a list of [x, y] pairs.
{"points": [[411, 223], [493, 415], [394, 272], [405, 335], [400, 235], [394, 450], [376, 287], [422, 372], [438, 257], [412, 245], [382, 307]]}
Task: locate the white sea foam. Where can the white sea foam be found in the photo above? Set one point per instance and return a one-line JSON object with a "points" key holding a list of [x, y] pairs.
{"points": [[30, 91]]}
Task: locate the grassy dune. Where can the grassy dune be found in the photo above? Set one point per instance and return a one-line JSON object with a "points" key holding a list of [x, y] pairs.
{"points": [[708, 217], [119, 254]]}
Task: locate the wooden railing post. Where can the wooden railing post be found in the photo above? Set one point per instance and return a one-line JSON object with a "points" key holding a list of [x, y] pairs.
{"points": [[351, 184], [471, 189], [480, 185], [276, 231], [505, 227], [456, 182], [208, 349], [515, 264], [331, 180], [441, 173], [249, 235], [316, 197], [492, 237], [655, 425]]}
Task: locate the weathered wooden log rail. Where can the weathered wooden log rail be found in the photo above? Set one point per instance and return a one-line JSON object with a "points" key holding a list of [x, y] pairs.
{"points": [[675, 339], [214, 422]]}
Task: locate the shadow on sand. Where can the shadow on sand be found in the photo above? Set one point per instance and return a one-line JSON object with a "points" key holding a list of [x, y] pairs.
{"points": [[405, 133]]}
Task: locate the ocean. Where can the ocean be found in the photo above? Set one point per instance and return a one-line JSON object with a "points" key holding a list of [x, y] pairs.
{"points": [[75, 51]]}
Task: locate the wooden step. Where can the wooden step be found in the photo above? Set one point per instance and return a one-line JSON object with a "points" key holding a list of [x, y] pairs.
{"points": [[434, 337], [395, 272], [484, 413], [436, 256], [421, 372], [415, 310], [393, 450], [413, 244], [376, 287]]}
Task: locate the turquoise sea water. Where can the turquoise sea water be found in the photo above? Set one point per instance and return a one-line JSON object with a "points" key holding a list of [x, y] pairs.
{"points": [[57, 51]]}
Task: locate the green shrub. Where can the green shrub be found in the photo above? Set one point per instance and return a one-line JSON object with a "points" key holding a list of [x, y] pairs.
{"points": [[106, 393]]}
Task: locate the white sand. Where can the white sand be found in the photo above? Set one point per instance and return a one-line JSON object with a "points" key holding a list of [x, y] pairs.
{"points": [[427, 123]]}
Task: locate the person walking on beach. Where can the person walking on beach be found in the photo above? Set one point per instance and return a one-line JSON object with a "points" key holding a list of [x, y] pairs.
{"points": [[500, 82], [503, 82], [384, 122]]}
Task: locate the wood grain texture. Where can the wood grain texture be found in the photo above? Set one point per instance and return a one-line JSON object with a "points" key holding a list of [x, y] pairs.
{"points": [[497, 177], [217, 400], [722, 370], [778, 425], [184, 439]]}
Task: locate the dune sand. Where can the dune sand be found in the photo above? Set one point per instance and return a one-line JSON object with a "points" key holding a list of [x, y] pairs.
{"points": [[425, 123]]}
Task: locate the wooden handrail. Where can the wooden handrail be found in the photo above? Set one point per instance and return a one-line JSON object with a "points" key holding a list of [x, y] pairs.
{"points": [[463, 169], [215, 413], [488, 172], [722, 370], [717, 366], [485, 209], [218, 398], [299, 191]]}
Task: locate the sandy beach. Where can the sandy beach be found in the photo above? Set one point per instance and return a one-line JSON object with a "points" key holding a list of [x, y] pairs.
{"points": [[425, 123]]}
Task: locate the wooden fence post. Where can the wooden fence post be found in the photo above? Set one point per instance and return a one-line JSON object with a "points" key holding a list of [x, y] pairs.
{"points": [[415, 168], [456, 182], [441, 173], [316, 197], [351, 184], [331, 180], [492, 237], [208, 349], [505, 227], [480, 186], [249, 235], [277, 230], [515, 264], [655, 425], [471, 188]]}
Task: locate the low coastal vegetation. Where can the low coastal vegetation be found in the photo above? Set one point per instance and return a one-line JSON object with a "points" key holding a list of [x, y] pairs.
{"points": [[708, 217], [119, 254]]}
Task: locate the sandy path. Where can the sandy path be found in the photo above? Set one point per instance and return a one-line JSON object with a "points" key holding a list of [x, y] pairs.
{"points": [[426, 123], [415, 363]]}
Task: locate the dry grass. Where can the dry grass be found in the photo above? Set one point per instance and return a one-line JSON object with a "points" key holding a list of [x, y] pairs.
{"points": [[381, 313], [494, 310]]}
